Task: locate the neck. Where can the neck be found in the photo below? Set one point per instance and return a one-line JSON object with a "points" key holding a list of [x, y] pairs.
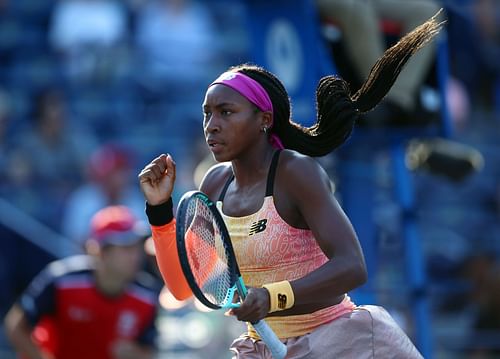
{"points": [[253, 167]]}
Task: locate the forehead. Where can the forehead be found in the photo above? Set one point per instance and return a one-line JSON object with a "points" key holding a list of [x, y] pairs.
{"points": [[217, 94]]}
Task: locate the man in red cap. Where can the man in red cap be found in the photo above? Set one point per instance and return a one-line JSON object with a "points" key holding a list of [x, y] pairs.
{"points": [[98, 306]]}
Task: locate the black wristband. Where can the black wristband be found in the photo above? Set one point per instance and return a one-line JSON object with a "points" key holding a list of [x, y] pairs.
{"points": [[161, 214]]}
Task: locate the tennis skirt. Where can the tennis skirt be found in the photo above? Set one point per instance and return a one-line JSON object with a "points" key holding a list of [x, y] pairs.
{"points": [[367, 332]]}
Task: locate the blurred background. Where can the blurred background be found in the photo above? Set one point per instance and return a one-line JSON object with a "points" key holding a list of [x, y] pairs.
{"points": [[92, 90]]}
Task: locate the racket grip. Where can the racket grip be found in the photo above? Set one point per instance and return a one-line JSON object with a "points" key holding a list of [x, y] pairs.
{"points": [[277, 348]]}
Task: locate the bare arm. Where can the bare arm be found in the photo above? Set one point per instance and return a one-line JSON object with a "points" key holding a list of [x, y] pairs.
{"points": [[345, 270], [18, 331]]}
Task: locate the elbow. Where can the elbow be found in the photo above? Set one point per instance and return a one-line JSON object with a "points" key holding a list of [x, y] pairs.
{"points": [[359, 273], [182, 295]]}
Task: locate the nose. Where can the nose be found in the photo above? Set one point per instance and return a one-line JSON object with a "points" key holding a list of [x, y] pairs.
{"points": [[212, 124]]}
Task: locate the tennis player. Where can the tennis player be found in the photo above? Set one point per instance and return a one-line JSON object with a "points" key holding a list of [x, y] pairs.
{"points": [[294, 245], [98, 306]]}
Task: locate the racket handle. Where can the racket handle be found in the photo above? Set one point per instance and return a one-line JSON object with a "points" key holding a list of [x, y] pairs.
{"points": [[277, 348]]}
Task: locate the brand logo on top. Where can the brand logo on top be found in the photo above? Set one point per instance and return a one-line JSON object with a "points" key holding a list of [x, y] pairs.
{"points": [[258, 227]]}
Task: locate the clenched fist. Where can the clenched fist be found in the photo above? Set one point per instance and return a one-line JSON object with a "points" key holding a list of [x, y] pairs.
{"points": [[157, 180]]}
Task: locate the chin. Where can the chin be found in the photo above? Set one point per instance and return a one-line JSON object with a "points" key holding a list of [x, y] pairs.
{"points": [[221, 158]]}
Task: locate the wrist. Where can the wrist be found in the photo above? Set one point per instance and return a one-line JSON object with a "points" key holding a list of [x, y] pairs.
{"points": [[160, 214], [281, 296]]}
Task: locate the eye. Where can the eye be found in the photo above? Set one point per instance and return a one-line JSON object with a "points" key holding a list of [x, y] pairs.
{"points": [[226, 112]]}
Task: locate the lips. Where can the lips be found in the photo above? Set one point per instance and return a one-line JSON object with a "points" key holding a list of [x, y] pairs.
{"points": [[213, 143]]}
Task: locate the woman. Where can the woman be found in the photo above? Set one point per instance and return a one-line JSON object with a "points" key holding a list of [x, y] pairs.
{"points": [[295, 246]]}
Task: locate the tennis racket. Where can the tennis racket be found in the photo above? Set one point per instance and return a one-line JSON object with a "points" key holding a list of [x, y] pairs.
{"points": [[208, 261]]}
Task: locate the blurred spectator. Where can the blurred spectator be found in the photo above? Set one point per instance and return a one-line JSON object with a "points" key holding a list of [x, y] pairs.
{"points": [[94, 306], [90, 36], [110, 182], [50, 154], [364, 39], [176, 43], [56, 152]]}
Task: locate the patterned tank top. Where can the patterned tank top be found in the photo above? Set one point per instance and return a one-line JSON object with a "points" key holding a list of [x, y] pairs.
{"points": [[270, 250]]}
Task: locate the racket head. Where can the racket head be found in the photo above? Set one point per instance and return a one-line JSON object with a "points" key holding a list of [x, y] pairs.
{"points": [[205, 251]]}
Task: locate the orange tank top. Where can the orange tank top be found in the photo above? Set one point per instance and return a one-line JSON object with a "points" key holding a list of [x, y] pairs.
{"points": [[270, 250]]}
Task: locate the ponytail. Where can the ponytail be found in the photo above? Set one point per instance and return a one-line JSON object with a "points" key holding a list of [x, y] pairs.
{"points": [[386, 70], [338, 109]]}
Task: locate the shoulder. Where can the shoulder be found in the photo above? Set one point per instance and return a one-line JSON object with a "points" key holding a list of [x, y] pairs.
{"points": [[67, 271], [301, 177], [79, 264], [215, 178], [298, 167], [300, 183]]}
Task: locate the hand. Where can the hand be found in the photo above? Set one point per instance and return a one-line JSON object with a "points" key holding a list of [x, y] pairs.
{"points": [[157, 180], [255, 306]]}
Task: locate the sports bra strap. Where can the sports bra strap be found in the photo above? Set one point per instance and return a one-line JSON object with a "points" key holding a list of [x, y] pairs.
{"points": [[226, 185], [272, 173], [270, 177]]}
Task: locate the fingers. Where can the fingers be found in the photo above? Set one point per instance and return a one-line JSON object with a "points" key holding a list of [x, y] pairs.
{"points": [[255, 306], [157, 179], [157, 169], [158, 166]]}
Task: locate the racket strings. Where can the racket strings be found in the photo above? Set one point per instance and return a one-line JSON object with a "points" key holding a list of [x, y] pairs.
{"points": [[207, 255]]}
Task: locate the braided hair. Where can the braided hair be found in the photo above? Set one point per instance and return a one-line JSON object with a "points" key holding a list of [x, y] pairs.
{"points": [[338, 109]]}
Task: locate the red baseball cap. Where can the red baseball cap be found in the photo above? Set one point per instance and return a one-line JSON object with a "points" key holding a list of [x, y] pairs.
{"points": [[117, 225]]}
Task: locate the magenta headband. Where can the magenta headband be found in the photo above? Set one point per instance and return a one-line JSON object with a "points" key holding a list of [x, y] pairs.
{"points": [[253, 92], [248, 87]]}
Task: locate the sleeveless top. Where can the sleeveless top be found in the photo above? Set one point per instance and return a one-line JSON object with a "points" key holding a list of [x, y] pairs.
{"points": [[270, 250]]}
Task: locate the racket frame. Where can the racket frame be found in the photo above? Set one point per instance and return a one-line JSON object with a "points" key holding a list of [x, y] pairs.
{"points": [[228, 248]]}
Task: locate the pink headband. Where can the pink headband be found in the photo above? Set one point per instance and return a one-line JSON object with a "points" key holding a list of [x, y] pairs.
{"points": [[248, 87], [253, 92]]}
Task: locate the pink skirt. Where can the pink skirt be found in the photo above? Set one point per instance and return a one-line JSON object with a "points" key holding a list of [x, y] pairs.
{"points": [[367, 332]]}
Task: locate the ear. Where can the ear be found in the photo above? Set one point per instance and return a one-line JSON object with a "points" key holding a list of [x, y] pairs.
{"points": [[266, 119]]}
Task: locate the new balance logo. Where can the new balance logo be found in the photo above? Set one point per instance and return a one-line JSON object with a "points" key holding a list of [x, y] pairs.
{"points": [[257, 227]]}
